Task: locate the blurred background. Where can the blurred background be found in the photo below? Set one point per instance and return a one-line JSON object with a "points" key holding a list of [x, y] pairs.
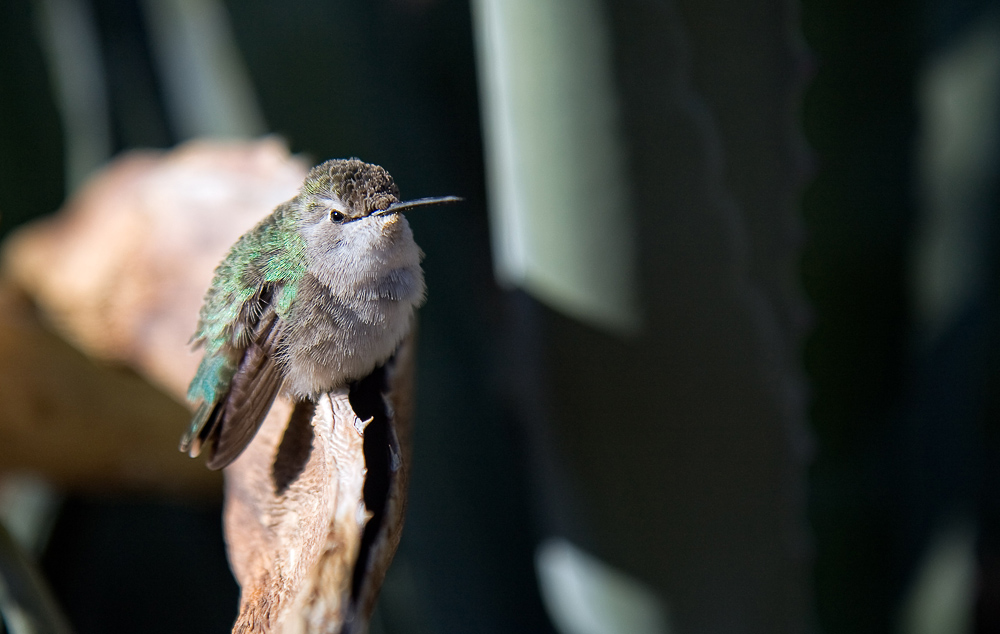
{"points": [[711, 347]]}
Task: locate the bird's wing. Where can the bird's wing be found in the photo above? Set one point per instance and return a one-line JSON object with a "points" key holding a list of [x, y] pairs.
{"points": [[240, 325], [230, 422]]}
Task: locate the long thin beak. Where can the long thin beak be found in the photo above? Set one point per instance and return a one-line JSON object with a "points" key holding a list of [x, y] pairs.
{"points": [[404, 205]]}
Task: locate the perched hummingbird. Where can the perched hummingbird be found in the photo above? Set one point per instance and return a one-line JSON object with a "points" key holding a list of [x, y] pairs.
{"points": [[317, 295]]}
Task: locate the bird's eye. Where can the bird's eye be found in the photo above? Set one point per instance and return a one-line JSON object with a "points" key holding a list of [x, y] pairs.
{"points": [[336, 216]]}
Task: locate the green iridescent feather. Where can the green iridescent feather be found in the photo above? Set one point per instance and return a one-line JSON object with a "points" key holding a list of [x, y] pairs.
{"points": [[271, 255]]}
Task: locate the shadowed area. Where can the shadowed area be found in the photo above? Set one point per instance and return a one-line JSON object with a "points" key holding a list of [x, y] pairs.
{"points": [[295, 448], [368, 402]]}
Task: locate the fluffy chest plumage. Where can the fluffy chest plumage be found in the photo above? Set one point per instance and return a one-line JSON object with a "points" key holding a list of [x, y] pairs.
{"points": [[330, 338]]}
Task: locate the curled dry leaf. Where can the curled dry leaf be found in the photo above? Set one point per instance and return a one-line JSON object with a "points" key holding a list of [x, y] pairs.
{"points": [[314, 507]]}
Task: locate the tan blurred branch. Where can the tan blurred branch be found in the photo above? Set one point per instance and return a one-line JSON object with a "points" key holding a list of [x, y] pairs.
{"points": [[82, 424]]}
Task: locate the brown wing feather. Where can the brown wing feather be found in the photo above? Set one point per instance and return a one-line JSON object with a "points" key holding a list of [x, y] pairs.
{"points": [[239, 414]]}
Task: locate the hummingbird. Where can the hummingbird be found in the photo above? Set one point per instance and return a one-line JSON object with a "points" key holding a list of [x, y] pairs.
{"points": [[317, 295]]}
